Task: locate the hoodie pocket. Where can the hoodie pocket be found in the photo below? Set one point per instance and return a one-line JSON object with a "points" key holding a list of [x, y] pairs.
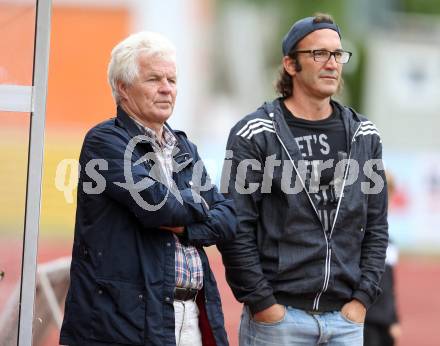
{"points": [[301, 257], [118, 314]]}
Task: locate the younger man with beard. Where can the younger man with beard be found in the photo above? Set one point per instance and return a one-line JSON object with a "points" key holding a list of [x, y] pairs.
{"points": [[307, 261]]}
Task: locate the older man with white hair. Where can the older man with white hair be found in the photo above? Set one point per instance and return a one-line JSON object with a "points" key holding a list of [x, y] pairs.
{"points": [[139, 274]]}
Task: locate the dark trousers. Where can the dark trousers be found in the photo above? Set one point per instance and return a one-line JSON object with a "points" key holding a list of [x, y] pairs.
{"points": [[377, 335]]}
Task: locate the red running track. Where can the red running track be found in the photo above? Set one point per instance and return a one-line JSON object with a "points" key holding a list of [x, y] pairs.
{"points": [[417, 278]]}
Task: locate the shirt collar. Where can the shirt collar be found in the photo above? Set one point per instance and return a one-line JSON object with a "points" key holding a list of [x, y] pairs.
{"points": [[168, 140]]}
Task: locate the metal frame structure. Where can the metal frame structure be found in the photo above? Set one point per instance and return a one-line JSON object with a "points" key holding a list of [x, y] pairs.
{"points": [[32, 99], [52, 284]]}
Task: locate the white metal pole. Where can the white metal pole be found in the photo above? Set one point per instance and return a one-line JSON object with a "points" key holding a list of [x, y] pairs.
{"points": [[35, 168]]}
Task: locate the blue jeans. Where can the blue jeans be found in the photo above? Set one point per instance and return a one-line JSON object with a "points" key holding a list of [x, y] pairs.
{"points": [[301, 328]]}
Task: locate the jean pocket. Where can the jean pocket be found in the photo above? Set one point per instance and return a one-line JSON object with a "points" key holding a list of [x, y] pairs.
{"points": [[346, 319], [271, 324]]}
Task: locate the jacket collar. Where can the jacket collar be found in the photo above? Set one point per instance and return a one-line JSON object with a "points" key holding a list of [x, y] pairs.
{"points": [[282, 129], [351, 121], [125, 121]]}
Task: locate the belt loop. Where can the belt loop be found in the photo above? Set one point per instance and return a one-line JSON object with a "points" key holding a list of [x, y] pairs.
{"points": [[195, 297]]}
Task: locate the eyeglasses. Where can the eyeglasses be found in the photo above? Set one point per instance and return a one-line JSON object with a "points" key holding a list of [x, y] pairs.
{"points": [[323, 55]]}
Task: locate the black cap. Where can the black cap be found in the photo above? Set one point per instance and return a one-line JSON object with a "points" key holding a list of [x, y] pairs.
{"points": [[301, 29]]}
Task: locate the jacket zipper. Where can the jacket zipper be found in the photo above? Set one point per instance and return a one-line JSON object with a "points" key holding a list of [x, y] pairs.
{"points": [[328, 247]]}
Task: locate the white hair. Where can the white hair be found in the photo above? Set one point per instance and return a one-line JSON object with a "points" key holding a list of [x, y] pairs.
{"points": [[124, 66]]}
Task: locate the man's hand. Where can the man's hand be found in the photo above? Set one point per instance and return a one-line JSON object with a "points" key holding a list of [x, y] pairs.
{"points": [[272, 314], [354, 311], [175, 230], [396, 331]]}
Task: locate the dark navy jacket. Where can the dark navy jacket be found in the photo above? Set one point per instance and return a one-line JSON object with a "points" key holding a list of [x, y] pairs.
{"points": [[122, 272]]}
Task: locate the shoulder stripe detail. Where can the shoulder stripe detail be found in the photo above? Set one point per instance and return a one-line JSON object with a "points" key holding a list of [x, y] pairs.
{"points": [[368, 127], [250, 122], [261, 129], [254, 127], [367, 132]]}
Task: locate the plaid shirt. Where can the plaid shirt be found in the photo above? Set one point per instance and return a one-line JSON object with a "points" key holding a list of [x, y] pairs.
{"points": [[188, 267]]}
